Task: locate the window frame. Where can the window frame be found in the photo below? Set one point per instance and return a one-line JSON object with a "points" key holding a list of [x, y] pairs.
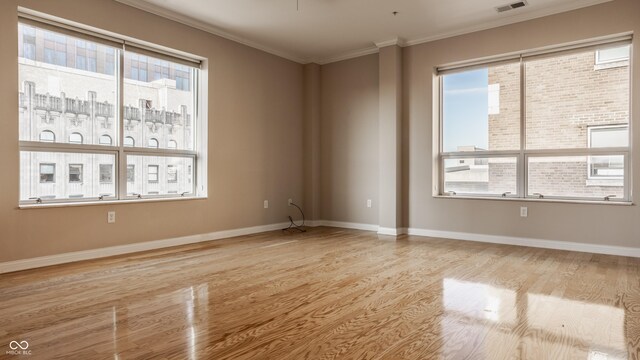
{"points": [[589, 163], [81, 175], [523, 154], [53, 174], [120, 45]]}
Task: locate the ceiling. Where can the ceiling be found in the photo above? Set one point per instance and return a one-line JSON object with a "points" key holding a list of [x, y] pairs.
{"points": [[323, 31]]}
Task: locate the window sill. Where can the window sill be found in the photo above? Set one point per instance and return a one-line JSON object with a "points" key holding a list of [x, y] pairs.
{"points": [[106, 202], [565, 201]]}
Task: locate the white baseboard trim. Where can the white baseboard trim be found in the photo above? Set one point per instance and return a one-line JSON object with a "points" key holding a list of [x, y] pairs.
{"points": [[537, 243], [342, 224], [390, 231], [42, 261]]}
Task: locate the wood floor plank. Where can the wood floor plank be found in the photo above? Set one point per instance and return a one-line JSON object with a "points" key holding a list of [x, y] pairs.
{"points": [[328, 294]]}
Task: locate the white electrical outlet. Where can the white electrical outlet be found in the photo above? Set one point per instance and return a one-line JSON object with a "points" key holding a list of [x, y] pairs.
{"points": [[266, 204], [369, 203], [290, 201], [524, 212], [111, 217]]}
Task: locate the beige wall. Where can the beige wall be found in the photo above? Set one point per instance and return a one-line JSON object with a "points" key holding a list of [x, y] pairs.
{"points": [[255, 141], [598, 224], [257, 124], [349, 140]]}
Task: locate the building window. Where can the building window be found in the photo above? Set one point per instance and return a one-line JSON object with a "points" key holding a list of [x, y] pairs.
{"points": [[109, 60], [55, 48], [550, 141], [86, 95], [131, 173], [138, 65], [183, 78], [172, 174], [106, 173], [47, 173], [75, 138], [75, 173], [152, 172], [160, 69], [28, 42], [47, 136], [612, 54], [105, 140], [86, 55]]}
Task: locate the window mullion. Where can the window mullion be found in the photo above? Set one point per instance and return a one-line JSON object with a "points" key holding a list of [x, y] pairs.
{"points": [[121, 184], [522, 166]]}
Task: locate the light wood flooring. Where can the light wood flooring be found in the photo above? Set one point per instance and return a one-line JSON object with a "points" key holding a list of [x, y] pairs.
{"points": [[328, 294]]}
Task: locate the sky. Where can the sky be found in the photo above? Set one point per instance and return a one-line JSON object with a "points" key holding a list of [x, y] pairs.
{"points": [[466, 110]]}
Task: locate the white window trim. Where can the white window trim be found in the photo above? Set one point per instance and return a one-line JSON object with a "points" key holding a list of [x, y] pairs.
{"points": [[523, 154], [119, 176]]}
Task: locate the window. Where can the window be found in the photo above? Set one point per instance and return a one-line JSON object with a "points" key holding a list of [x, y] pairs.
{"points": [[565, 137], [75, 138], [109, 61], [55, 48], [47, 136], [106, 173], [152, 172], [47, 173], [28, 42], [100, 97], [172, 174], [138, 66], [160, 69], [613, 54], [183, 78], [105, 140], [75, 173], [86, 55], [607, 167], [131, 173]]}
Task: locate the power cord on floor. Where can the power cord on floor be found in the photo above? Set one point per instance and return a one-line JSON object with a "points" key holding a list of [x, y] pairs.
{"points": [[293, 225]]}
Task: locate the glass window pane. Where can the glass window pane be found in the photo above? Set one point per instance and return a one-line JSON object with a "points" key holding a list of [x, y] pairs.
{"points": [[57, 175], [159, 109], [569, 176], [566, 94], [614, 136], [481, 109], [61, 91], [106, 173], [75, 173], [620, 53], [489, 176], [159, 175]]}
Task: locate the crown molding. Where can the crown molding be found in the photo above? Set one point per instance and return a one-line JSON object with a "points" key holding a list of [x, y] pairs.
{"points": [[200, 25], [391, 42], [347, 55], [189, 21], [513, 19]]}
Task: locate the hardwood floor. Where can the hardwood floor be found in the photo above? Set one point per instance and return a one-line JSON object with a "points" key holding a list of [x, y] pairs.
{"points": [[328, 294]]}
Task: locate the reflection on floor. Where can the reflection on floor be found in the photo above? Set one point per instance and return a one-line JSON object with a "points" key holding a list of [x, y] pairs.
{"points": [[328, 293]]}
